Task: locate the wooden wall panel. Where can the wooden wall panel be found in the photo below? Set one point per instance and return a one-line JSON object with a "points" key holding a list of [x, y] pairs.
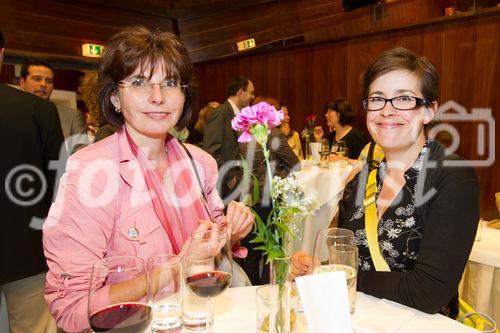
{"points": [[209, 28], [307, 21], [59, 28], [216, 35], [465, 52]]}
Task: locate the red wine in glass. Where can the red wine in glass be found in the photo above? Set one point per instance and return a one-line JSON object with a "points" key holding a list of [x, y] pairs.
{"points": [[209, 284], [130, 317]]}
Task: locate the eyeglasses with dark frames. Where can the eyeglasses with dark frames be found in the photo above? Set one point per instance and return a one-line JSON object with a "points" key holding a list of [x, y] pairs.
{"points": [[402, 103]]}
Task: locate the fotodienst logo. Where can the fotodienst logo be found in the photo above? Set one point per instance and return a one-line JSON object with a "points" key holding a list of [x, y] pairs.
{"points": [[451, 111]]}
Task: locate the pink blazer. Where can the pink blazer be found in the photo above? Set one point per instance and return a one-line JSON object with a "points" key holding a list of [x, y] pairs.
{"points": [[101, 197]]}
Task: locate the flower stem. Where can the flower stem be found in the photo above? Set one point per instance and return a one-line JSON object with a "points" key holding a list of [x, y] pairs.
{"points": [[269, 171]]}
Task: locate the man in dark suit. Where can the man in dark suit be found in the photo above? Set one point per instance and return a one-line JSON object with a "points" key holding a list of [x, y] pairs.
{"points": [[30, 137], [37, 77], [220, 140]]}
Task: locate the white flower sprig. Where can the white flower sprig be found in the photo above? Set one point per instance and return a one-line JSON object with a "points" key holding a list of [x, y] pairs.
{"points": [[294, 202]]}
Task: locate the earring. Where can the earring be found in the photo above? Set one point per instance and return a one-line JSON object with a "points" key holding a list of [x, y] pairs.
{"points": [[118, 110]]}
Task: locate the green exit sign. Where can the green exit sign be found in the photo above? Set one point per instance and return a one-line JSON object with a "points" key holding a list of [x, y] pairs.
{"points": [[246, 44], [92, 50]]}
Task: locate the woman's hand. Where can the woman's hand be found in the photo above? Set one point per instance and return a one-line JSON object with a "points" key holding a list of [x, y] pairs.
{"points": [[357, 166], [336, 158], [239, 221], [204, 225], [318, 133], [301, 264]]}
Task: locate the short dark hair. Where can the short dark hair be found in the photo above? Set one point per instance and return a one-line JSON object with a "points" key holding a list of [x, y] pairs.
{"points": [[33, 62], [239, 82], [2, 40], [343, 108], [138, 47], [401, 58]]}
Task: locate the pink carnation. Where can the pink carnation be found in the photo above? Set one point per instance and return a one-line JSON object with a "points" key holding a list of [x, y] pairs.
{"points": [[261, 113]]}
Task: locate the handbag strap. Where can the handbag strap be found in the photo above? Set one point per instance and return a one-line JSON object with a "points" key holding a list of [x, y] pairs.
{"points": [[205, 199], [195, 170], [478, 320]]}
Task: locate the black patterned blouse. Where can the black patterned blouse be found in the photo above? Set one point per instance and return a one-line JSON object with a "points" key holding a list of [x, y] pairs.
{"points": [[425, 242], [399, 234]]}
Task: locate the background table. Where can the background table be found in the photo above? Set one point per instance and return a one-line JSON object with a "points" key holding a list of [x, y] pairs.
{"points": [[481, 280], [235, 311], [328, 185]]}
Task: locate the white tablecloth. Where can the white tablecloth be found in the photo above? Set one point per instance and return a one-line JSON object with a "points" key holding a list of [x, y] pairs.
{"points": [[486, 249], [235, 311], [328, 185], [481, 280]]}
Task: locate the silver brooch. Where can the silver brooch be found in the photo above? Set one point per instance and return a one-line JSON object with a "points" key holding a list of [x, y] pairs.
{"points": [[133, 232]]}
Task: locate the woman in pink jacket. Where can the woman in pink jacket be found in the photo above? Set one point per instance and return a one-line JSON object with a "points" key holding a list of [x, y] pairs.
{"points": [[138, 192]]}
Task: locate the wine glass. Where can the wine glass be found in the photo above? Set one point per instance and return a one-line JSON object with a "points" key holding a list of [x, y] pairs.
{"points": [[338, 148], [335, 250], [119, 296], [208, 267]]}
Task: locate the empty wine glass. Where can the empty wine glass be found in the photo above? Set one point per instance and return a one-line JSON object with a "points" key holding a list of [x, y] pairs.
{"points": [[208, 267], [119, 296]]}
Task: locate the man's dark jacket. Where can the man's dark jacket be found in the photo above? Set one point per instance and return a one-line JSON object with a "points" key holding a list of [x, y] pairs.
{"points": [[30, 137]]}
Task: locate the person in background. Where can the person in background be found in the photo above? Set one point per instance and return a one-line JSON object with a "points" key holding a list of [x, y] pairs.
{"points": [[283, 161], [30, 137], [136, 192], [180, 134], [88, 89], [421, 243], [291, 135], [196, 133], [220, 140], [91, 125], [37, 77], [339, 115]]}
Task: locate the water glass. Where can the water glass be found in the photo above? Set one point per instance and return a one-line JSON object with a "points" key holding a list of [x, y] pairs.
{"points": [[262, 300], [194, 311], [325, 154], [263, 308], [164, 272]]}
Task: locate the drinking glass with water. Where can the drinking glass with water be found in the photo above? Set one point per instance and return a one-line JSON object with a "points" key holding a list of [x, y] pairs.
{"points": [[164, 272]]}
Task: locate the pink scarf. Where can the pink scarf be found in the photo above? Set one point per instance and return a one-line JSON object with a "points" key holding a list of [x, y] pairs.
{"points": [[180, 211]]}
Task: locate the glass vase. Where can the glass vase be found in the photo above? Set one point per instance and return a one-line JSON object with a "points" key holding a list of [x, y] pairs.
{"points": [[282, 298], [308, 154]]}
